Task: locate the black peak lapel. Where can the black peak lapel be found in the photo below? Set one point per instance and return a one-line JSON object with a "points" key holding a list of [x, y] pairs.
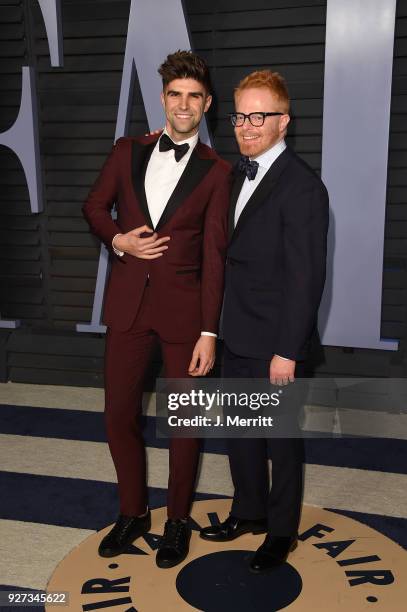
{"points": [[140, 156], [238, 180], [263, 189], [195, 170]]}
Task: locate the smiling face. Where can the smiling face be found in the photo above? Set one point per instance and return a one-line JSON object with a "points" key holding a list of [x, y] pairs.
{"points": [[253, 141], [184, 102]]}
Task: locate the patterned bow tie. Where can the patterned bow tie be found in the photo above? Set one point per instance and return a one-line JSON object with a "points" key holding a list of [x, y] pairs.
{"points": [[248, 167], [166, 144]]}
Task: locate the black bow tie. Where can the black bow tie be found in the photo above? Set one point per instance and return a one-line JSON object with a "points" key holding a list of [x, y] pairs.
{"points": [[166, 144], [248, 167]]}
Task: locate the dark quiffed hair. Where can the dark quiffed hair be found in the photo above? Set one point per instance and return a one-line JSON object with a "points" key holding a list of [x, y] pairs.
{"points": [[184, 65]]}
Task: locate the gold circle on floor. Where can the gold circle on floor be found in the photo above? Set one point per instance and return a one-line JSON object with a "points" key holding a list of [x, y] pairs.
{"points": [[334, 567]]}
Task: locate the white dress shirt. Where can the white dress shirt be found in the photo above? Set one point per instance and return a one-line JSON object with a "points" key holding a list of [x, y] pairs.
{"points": [[265, 160], [162, 175]]}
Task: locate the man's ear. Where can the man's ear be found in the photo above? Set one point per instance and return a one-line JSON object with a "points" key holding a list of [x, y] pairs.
{"points": [[284, 121], [208, 102], [162, 97]]}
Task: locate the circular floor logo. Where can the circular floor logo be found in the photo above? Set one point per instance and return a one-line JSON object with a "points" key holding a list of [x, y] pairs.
{"points": [[339, 564]]}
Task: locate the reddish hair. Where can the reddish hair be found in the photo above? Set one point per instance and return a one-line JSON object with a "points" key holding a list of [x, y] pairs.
{"points": [[268, 80]]}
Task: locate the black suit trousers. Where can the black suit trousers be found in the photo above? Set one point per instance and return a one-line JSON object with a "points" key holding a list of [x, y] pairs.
{"points": [[248, 457]]}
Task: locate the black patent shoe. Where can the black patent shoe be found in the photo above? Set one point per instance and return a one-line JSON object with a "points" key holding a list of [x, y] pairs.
{"points": [[174, 545], [272, 553], [232, 528], [125, 531]]}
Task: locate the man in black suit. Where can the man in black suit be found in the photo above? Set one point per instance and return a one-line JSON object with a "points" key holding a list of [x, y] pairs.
{"points": [[275, 276]]}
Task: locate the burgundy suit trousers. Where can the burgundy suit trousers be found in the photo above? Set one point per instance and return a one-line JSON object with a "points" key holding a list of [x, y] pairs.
{"points": [[127, 358]]}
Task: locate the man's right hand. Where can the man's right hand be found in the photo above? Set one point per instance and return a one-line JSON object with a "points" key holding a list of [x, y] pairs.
{"points": [[144, 248]]}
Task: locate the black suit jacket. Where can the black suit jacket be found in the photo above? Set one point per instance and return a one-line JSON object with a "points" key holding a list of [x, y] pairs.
{"points": [[276, 261]]}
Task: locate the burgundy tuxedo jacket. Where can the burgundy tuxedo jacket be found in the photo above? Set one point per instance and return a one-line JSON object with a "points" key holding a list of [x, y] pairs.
{"points": [[186, 283]]}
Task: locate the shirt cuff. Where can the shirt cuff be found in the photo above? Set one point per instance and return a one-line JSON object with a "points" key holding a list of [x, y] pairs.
{"points": [[117, 252], [285, 358], [203, 333]]}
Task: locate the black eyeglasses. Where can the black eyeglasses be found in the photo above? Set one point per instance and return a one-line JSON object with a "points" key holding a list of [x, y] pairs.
{"points": [[256, 119]]}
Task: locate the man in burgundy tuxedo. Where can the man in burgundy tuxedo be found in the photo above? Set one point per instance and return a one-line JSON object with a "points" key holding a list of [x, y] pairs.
{"points": [[168, 247]]}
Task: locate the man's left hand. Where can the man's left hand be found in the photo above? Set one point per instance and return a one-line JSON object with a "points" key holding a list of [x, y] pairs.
{"points": [[204, 353], [153, 133], [281, 371]]}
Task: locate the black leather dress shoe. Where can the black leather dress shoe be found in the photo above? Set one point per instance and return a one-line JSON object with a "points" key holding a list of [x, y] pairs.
{"points": [[232, 528], [126, 530], [272, 553], [174, 545]]}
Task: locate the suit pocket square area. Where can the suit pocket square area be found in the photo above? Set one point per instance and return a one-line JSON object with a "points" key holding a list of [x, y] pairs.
{"points": [[188, 271]]}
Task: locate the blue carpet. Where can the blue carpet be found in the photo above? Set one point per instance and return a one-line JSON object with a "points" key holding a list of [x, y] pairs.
{"points": [[67, 502], [90, 504], [378, 454]]}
